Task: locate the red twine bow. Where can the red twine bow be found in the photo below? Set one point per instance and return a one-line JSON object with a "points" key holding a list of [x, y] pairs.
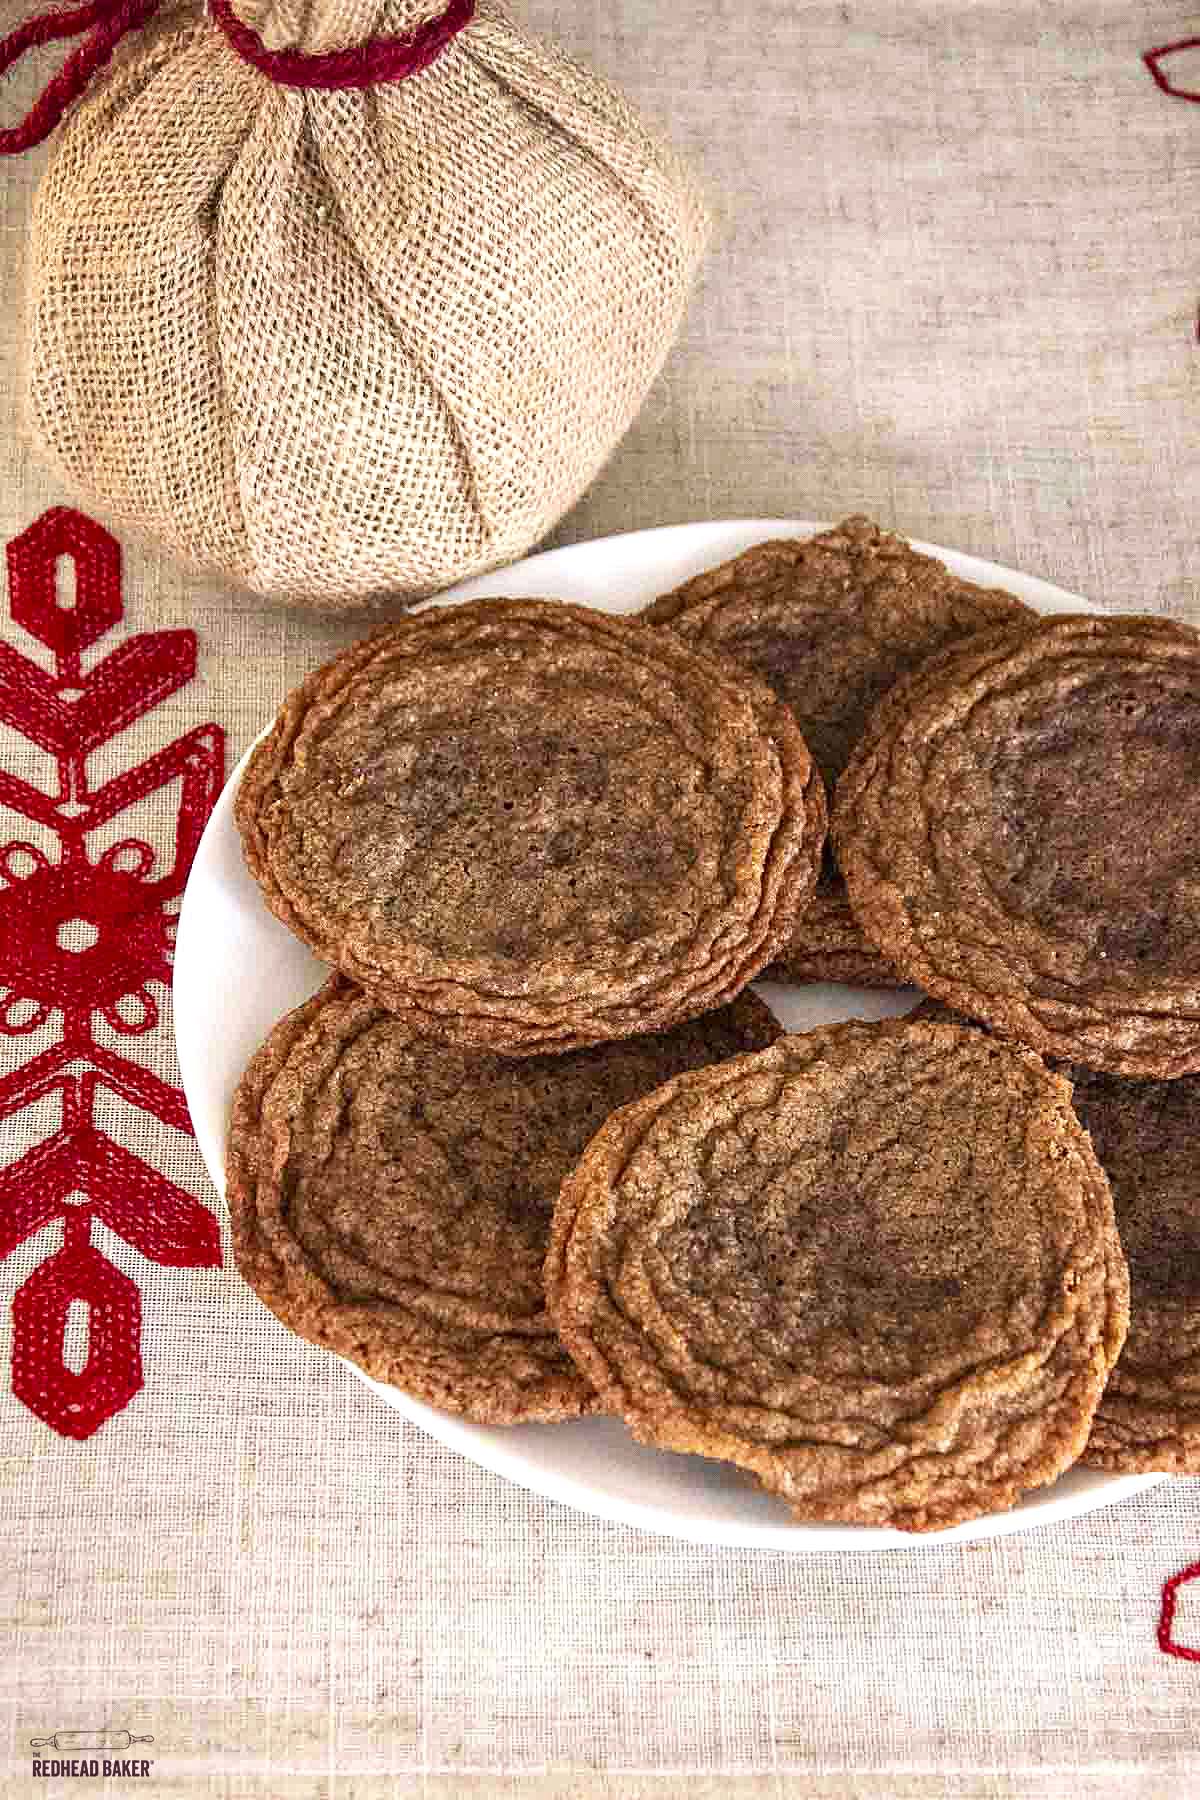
{"points": [[108, 21]]}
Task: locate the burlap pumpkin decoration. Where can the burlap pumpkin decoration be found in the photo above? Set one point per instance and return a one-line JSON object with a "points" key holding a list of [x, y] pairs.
{"points": [[348, 343]]}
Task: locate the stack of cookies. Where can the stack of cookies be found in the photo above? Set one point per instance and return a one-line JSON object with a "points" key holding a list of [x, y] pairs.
{"points": [[536, 1151]]}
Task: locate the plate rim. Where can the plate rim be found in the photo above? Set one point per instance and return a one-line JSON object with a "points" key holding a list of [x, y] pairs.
{"points": [[462, 1435]]}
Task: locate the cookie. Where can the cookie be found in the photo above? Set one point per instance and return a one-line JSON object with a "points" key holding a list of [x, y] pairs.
{"points": [[874, 1265], [527, 827], [1019, 830], [831, 623], [391, 1199], [1145, 1134]]}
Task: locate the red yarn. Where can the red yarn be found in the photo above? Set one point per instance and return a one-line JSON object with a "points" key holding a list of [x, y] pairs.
{"points": [[82, 938], [1166, 1618], [1153, 60], [108, 21], [361, 66]]}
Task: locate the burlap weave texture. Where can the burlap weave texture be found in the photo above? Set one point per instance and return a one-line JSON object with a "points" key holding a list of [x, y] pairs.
{"points": [[340, 346]]}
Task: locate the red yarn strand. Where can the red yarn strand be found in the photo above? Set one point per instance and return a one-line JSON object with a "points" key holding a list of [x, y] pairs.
{"points": [[1153, 60], [71, 22], [1166, 1618], [108, 21], [361, 66]]}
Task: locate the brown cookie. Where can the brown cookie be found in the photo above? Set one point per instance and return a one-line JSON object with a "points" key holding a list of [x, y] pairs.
{"points": [[875, 1265], [526, 826], [1020, 833], [391, 1199], [831, 623], [1145, 1134]]}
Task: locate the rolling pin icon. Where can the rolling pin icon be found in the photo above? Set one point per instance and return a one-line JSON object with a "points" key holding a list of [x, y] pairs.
{"points": [[88, 1740]]}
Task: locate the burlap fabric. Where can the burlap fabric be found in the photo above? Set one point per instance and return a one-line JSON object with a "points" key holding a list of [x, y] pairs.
{"points": [[954, 285], [338, 346]]}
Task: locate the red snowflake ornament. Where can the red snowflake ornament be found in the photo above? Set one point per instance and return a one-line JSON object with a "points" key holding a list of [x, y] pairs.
{"points": [[82, 938]]}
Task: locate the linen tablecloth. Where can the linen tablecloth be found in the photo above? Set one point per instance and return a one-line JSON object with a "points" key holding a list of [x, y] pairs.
{"points": [[954, 286]]}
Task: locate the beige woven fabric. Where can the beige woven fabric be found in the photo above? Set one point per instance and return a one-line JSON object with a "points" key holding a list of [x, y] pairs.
{"points": [[335, 345], [954, 285]]}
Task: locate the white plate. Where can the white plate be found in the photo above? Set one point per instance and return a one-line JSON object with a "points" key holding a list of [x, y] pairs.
{"points": [[237, 970]]}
